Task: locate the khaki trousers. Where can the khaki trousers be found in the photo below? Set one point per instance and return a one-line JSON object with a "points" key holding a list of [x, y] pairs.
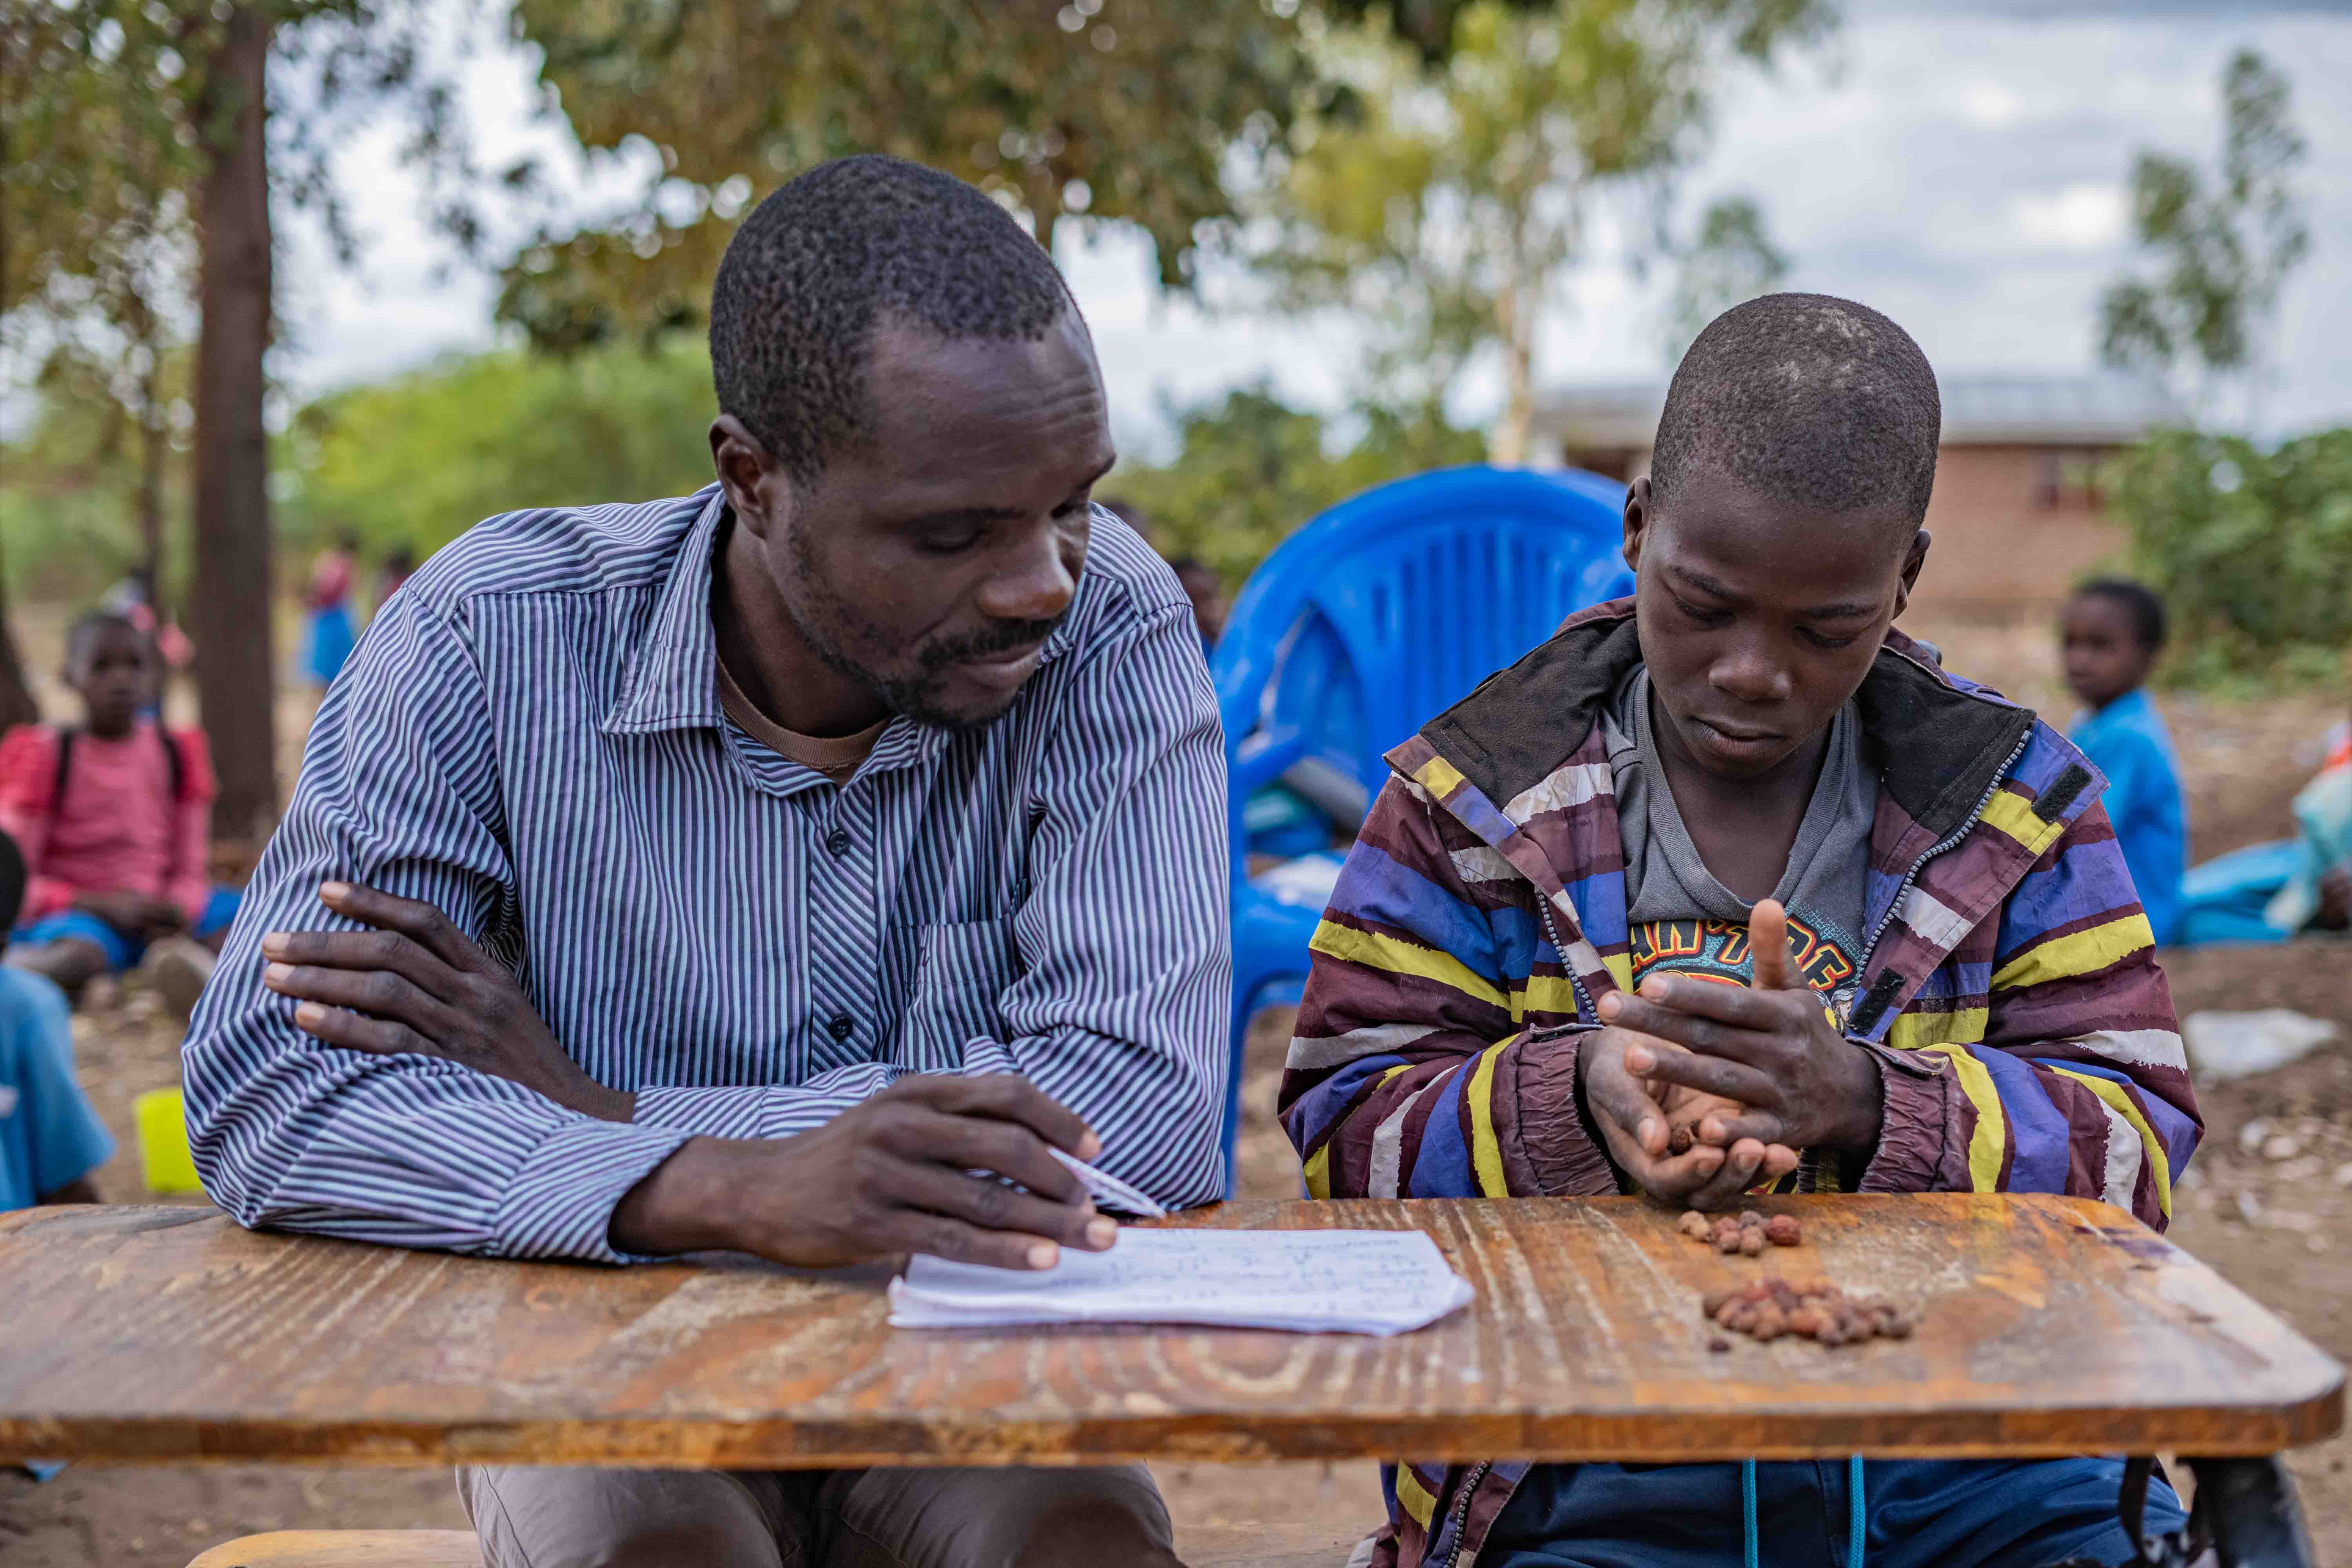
{"points": [[546, 1517]]}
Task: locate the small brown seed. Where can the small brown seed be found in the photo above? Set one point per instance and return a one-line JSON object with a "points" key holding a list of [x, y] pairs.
{"points": [[1718, 1345], [1769, 1323], [1749, 1216], [1726, 1241], [1680, 1140], [1695, 1226], [1752, 1243], [1783, 1230]]}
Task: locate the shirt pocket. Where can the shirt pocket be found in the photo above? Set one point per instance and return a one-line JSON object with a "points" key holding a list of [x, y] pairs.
{"points": [[962, 970]]}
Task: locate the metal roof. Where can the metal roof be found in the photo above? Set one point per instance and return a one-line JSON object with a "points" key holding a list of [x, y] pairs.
{"points": [[1979, 411]]}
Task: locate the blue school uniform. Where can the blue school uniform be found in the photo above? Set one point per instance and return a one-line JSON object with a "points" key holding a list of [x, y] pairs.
{"points": [[2129, 743], [48, 1134]]}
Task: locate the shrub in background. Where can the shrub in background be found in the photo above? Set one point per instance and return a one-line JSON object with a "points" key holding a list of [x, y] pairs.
{"points": [[2250, 549]]}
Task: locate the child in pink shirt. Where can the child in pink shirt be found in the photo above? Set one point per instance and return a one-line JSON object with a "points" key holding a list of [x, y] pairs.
{"points": [[114, 820]]}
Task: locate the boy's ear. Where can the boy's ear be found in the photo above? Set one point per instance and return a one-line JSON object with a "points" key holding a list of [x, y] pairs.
{"points": [[1637, 520], [1912, 560]]}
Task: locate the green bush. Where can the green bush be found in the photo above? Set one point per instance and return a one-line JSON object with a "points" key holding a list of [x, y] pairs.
{"points": [[2252, 550], [415, 462], [1250, 468]]}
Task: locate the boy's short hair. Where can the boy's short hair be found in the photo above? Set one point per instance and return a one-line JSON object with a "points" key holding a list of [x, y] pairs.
{"points": [[2136, 600], [1805, 398], [92, 624]]}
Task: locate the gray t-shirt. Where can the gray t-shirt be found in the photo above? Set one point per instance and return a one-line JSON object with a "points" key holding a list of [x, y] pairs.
{"points": [[1680, 919]]}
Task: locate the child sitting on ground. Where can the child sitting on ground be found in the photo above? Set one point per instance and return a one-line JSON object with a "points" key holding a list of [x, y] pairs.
{"points": [[51, 1139], [1535, 971], [114, 819], [2112, 631]]}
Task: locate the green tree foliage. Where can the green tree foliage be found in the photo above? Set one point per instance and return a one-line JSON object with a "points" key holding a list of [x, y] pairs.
{"points": [[1730, 260], [1250, 468], [2220, 251], [73, 489], [1130, 112], [2250, 549], [1444, 202], [413, 462], [135, 124]]}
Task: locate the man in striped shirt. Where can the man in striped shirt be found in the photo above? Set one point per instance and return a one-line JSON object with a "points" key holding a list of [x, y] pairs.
{"points": [[748, 871]]}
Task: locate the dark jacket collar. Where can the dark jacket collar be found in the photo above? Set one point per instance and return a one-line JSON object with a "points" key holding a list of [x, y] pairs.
{"points": [[1937, 749]]}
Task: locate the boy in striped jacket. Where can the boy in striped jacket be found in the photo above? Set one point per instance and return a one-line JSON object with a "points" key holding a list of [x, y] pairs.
{"points": [[1535, 972]]}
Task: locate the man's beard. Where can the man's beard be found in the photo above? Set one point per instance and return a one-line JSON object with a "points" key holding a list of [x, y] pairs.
{"points": [[822, 618]]}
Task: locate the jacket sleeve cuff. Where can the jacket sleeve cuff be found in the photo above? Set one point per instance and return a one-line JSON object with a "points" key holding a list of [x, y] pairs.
{"points": [[560, 1203], [1914, 1114], [1559, 1153]]}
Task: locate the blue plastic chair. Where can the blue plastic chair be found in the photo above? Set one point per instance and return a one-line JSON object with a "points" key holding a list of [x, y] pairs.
{"points": [[1367, 622]]}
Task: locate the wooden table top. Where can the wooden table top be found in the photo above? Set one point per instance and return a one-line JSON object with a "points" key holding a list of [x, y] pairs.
{"points": [[2048, 1325]]}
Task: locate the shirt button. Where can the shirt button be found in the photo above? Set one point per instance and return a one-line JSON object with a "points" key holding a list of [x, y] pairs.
{"points": [[841, 1026], [838, 841]]}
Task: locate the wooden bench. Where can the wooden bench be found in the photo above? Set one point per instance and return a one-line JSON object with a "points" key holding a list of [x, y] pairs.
{"points": [[1226, 1546]]}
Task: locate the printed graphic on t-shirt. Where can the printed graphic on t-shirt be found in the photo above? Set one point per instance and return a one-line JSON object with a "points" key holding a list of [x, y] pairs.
{"points": [[1718, 951]]}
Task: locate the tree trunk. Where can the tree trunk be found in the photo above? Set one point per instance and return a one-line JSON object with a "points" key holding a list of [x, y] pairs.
{"points": [[230, 602], [17, 704], [1515, 434], [155, 444]]}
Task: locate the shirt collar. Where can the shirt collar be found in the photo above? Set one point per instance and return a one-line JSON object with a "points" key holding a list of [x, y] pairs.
{"points": [[672, 680]]}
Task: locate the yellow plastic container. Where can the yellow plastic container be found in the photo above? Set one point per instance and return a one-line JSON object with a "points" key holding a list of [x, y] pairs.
{"points": [[163, 1121]]}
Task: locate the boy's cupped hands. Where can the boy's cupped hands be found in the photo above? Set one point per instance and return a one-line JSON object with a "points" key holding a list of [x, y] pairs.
{"points": [[1757, 1072]]}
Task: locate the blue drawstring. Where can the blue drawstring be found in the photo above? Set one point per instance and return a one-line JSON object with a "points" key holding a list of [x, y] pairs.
{"points": [[1749, 1553], [1854, 1512]]}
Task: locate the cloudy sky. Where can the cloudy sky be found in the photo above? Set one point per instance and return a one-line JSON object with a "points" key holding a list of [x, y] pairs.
{"points": [[1960, 165]]}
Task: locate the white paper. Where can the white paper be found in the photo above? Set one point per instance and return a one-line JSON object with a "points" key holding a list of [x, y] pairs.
{"points": [[1344, 1281]]}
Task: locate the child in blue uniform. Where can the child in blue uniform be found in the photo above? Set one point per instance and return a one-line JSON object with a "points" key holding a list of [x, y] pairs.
{"points": [[2112, 631]]}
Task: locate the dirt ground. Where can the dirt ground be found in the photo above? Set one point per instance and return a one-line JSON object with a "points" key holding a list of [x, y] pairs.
{"points": [[2268, 1202]]}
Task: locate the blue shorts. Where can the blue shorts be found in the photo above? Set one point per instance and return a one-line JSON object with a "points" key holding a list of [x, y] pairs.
{"points": [[123, 951], [1919, 1513]]}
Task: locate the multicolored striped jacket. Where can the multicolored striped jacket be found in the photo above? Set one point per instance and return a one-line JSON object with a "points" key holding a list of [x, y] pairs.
{"points": [[2008, 985]]}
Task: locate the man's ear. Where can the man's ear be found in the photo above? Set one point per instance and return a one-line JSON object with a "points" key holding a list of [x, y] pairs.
{"points": [[757, 488], [1637, 520], [1912, 560]]}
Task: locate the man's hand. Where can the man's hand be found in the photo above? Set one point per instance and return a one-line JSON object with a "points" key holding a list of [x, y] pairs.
{"points": [[134, 914], [1769, 1047], [1634, 1121], [892, 1176], [416, 985]]}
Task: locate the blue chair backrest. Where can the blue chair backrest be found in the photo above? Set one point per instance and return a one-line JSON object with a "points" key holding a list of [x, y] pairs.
{"points": [[1387, 609]]}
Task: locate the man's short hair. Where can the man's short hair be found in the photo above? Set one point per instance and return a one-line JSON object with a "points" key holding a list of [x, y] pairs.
{"points": [[821, 263], [1807, 399], [2139, 602]]}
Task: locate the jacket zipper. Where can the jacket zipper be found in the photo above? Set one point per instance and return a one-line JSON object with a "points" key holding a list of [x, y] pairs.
{"points": [[1970, 821], [1462, 1507], [1477, 1472]]}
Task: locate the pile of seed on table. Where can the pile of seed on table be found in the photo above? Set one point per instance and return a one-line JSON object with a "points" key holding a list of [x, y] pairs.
{"points": [[1813, 1308], [1746, 1233]]}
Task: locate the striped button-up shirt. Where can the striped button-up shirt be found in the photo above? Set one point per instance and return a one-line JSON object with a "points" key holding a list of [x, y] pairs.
{"points": [[530, 737]]}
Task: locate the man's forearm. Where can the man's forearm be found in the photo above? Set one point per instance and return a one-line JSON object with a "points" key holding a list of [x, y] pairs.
{"points": [[686, 1204]]}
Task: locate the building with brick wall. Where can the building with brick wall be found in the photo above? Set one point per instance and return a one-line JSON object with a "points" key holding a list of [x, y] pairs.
{"points": [[2017, 515]]}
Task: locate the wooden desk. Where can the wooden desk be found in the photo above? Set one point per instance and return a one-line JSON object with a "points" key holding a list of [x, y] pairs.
{"points": [[2050, 1326]]}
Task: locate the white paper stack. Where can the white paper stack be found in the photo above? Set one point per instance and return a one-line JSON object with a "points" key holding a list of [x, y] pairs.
{"points": [[1334, 1281]]}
